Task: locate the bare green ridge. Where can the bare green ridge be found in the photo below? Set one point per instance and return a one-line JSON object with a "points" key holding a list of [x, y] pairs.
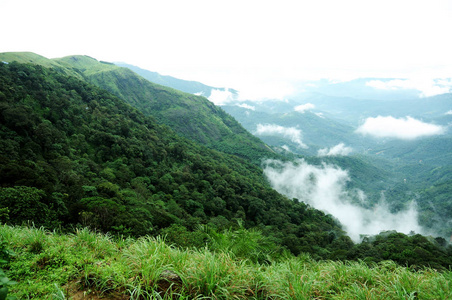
{"points": [[33, 58]]}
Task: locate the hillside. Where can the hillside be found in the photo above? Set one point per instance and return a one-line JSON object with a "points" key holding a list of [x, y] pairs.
{"points": [[74, 156], [191, 116], [72, 153], [316, 131]]}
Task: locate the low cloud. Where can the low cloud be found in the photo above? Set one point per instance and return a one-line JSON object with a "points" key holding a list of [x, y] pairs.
{"points": [[404, 128], [324, 187], [427, 87], [285, 147], [338, 150], [449, 112], [246, 106], [292, 133], [304, 107], [221, 97]]}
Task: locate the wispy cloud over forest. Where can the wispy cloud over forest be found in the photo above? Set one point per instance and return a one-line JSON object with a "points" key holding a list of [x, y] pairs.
{"points": [[292, 133]]}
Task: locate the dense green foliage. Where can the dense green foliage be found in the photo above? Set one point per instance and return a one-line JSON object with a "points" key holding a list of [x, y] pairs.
{"points": [[72, 153], [435, 203], [86, 264], [415, 251]]}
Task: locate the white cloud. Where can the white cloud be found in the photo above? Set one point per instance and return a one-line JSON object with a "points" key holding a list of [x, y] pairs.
{"points": [[220, 97], [285, 147], [324, 187], [199, 93], [244, 105], [339, 149], [404, 128], [449, 112], [294, 134], [320, 115], [304, 107], [427, 87]]}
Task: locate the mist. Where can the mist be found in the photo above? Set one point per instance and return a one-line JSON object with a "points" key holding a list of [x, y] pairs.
{"points": [[246, 106], [221, 97], [338, 150], [426, 86], [304, 107], [324, 187], [292, 133]]}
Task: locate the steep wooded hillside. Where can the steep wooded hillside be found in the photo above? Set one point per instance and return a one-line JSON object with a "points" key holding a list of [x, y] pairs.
{"points": [[72, 153]]}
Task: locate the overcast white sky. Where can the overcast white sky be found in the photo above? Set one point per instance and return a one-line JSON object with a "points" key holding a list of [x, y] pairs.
{"points": [[246, 45]]}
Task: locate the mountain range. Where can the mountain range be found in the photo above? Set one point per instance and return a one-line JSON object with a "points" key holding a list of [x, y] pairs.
{"points": [[73, 153], [189, 115], [326, 117]]}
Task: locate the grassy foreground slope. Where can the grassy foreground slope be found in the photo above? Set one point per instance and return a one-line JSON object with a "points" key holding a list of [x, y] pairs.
{"points": [[96, 266]]}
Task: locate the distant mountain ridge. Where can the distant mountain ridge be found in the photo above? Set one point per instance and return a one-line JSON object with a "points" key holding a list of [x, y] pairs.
{"points": [[192, 87]]}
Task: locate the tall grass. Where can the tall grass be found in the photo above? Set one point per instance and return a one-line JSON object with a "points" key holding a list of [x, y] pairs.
{"points": [[50, 265]]}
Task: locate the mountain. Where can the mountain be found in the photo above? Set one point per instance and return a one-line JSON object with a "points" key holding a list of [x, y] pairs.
{"points": [[192, 87], [189, 115], [375, 165], [315, 130], [355, 110], [72, 153], [362, 88]]}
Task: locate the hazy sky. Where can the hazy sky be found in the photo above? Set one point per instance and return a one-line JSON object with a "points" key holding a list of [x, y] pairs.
{"points": [[247, 45]]}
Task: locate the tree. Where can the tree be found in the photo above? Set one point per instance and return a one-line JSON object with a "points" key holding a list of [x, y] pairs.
{"points": [[26, 204]]}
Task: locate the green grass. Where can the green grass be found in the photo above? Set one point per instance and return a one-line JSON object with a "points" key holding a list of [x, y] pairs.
{"points": [[49, 265], [29, 57]]}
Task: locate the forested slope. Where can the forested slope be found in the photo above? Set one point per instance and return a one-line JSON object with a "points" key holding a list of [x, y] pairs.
{"points": [[72, 153]]}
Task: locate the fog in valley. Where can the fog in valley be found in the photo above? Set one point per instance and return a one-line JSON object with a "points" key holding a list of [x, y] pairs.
{"points": [[324, 187]]}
